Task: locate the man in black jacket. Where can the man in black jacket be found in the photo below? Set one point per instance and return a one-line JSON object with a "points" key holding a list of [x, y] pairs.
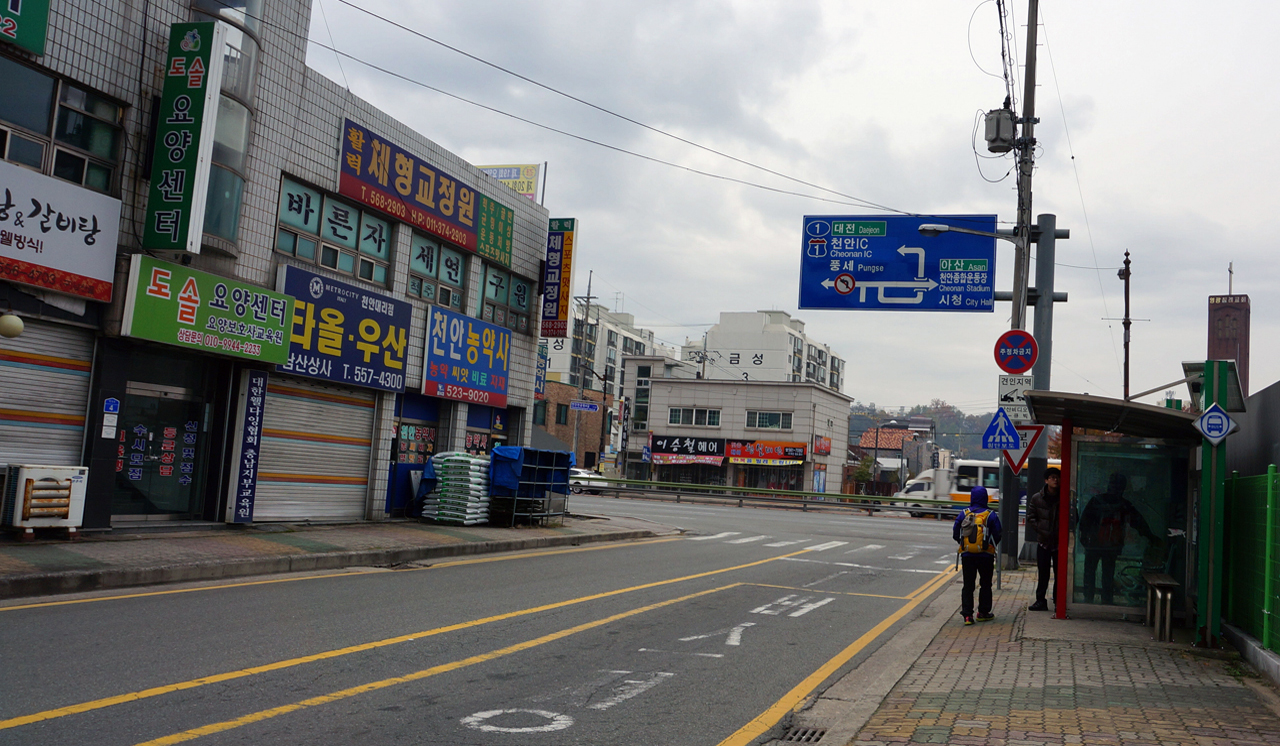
{"points": [[1042, 516]]}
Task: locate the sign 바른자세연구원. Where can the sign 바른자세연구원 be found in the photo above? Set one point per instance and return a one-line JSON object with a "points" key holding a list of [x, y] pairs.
{"points": [[558, 277], [344, 333], [188, 113], [466, 359], [177, 305], [881, 262], [1016, 351], [388, 178], [25, 24], [56, 235]]}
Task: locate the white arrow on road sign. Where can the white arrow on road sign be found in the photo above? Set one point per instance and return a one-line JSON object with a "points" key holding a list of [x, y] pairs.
{"points": [[904, 250], [919, 286]]}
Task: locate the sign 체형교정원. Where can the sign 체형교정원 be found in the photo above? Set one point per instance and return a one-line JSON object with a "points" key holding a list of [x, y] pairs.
{"points": [[881, 262], [558, 277], [466, 359], [177, 305], [188, 113], [388, 178], [344, 333]]}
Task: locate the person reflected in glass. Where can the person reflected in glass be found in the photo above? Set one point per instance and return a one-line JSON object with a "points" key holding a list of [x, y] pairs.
{"points": [[1103, 525]]}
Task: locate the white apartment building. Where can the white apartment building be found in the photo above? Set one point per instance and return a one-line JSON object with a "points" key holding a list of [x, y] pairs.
{"points": [[763, 346]]}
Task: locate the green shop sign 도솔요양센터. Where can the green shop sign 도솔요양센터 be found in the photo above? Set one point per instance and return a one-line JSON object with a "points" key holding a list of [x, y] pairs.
{"points": [[176, 305]]}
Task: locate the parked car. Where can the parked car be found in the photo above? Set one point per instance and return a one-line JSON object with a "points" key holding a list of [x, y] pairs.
{"points": [[585, 480]]}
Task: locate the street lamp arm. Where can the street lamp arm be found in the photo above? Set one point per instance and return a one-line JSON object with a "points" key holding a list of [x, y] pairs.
{"points": [[937, 229]]}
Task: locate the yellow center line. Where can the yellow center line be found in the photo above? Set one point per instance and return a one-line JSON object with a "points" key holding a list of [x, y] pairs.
{"points": [[99, 704], [434, 566], [792, 699], [262, 715]]}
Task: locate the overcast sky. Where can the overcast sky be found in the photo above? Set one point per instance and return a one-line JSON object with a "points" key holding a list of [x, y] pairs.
{"points": [[1156, 136]]}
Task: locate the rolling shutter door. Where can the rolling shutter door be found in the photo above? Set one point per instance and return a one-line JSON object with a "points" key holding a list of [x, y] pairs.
{"points": [[44, 393], [314, 462]]}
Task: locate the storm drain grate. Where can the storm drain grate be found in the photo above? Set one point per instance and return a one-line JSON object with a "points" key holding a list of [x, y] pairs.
{"points": [[804, 735]]}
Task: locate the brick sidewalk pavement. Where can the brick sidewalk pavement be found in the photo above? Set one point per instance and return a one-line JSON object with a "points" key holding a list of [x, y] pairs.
{"points": [[986, 685]]}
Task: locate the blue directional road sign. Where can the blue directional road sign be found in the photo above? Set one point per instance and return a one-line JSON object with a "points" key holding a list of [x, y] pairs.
{"points": [[882, 262], [1001, 435], [1214, 424], [584, 406]]}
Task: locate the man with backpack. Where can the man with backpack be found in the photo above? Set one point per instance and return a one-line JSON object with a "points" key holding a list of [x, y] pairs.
{"points": [[977, 531]]}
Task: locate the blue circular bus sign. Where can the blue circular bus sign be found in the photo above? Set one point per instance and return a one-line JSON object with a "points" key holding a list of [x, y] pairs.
{"points": [[1016, 351]]}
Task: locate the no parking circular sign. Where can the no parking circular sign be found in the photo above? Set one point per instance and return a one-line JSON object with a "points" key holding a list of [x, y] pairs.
{"points": [[1016, 351]]}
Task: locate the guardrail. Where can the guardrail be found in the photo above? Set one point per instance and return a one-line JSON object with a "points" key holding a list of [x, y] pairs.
{"points": [[723, 494]]}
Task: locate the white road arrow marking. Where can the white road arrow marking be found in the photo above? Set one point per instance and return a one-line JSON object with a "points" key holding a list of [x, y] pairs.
{"points": [[700, 655], [904, 250], [631, 688], [787, 543], [867, 548], [825, 547], [748, 539], [721, 535], [734, 634]]}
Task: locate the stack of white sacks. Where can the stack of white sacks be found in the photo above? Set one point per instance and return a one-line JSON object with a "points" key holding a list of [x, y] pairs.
{"points": [[462, 489]]}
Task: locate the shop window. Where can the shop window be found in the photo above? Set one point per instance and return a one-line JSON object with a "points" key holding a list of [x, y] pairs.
{"points": [[507, 299], [322, 230], [58, 128], [437, 274], [562, 414], [540, 413], [769, 420]]}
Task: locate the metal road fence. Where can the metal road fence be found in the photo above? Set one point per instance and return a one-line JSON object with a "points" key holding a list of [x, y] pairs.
{"points": [[1253, 557]]}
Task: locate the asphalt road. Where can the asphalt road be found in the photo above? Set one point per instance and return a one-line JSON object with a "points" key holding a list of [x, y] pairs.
{"points": [[706, 638]]}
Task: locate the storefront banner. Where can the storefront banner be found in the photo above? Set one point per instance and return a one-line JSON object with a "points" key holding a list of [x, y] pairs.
{"points": [[522, 179], [557, 279], [821, 445], [764, 461], [56, 235], [184, 137], [244, 488], [345, 333], [176, 305], [670, 459], [466, 359], [540, 374], [766, 449], [388, 178], [25, 24], [678, 444]]}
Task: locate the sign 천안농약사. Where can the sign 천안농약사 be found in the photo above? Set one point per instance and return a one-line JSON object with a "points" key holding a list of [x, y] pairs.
{"points": [[188, 112], [390, 179], [558, 277], [344, 333], [55, 235], [177, 305], [881, 262], [466, 359]]}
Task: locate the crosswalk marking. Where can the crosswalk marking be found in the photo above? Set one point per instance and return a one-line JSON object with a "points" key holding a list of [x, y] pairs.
{"points": [[748, 539], [787, 543], [721, 535], [867, 548], [828, 545]]}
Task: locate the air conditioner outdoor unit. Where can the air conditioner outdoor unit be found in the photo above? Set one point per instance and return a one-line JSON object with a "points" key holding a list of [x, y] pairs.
{"points": [[44, 497]]}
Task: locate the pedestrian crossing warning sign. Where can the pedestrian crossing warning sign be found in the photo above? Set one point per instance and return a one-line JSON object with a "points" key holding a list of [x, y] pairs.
{"points": [[1001, 435]]}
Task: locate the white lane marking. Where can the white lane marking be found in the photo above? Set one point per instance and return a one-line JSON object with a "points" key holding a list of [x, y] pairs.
{"points": [[832, 576], [798, 605], [825, 547], [904, 557], [747, 540], [556, 721], [806, 608], [734, 634], [867, 548], [721, 535], [631, 688], [861, 567], [680, 652], [945, 559], [787, 543]]}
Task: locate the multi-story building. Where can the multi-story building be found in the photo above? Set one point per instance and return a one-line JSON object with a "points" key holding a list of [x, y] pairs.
{"points": [[248, 294], [763, 346], [744, 433], [582, 429]]}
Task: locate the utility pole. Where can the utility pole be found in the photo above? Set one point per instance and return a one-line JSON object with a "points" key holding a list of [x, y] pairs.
{"points": [[1124, 275], [582, 353]]}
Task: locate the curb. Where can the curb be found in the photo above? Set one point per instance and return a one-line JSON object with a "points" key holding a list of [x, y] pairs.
{"points": [[80, 581]]}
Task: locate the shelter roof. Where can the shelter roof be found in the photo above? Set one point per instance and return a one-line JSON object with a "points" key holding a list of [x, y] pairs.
{"points": [[1112, 415]]}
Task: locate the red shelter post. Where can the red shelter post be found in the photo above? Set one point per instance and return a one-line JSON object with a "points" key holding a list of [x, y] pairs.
{"points": [[1064, 523]]}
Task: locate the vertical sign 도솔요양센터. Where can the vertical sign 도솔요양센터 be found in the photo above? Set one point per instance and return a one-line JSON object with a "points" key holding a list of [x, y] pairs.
{"points": [[177, 305], [244, 487], [557, 280], [390, 179], [344, 333], [184, 137], [466, 359]]}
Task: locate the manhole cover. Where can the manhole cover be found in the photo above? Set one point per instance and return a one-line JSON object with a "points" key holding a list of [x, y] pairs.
{"points": [[804, 735]]}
